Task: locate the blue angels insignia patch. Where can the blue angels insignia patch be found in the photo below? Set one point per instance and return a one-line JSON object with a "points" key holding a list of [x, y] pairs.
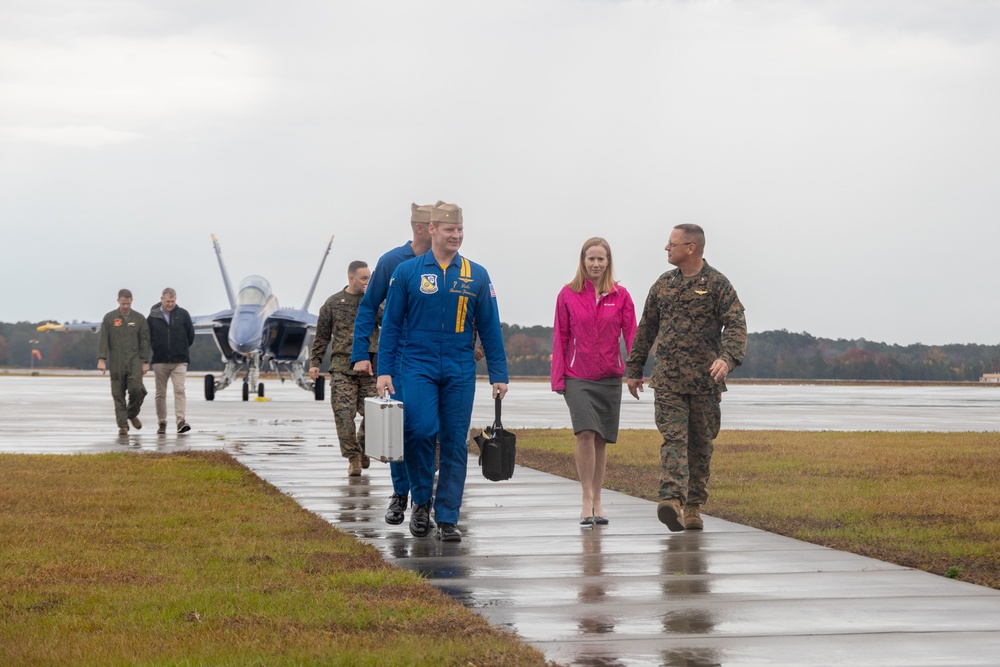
{"points": [[428, 283]]}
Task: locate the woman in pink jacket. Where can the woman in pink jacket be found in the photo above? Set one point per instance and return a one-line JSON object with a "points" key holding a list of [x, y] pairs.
{"points": [[593, 313]]}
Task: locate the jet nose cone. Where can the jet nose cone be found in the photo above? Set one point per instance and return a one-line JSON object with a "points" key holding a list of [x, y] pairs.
{"points": [[245, 335], [244, 347]]}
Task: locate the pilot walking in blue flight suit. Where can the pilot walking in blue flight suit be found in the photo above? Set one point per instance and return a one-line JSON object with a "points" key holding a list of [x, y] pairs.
{"points": [[442, 298], [364, 325]]}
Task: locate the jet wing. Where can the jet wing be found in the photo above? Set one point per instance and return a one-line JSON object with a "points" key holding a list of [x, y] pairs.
{"points": [[92, 327], [204, 324]]}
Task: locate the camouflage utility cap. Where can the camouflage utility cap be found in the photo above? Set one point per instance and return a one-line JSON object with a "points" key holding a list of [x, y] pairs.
{"points": [[421, 213], [446, 213]]}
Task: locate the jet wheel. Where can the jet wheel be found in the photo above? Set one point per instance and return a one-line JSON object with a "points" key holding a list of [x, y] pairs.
{"points": [[246, 390], [260, 390], [209, 387]]}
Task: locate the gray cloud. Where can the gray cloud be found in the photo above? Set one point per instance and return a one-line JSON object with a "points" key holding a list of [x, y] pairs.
{"points": [[839, 154]]}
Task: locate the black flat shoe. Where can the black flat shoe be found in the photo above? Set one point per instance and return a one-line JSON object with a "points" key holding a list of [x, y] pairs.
{"points": [[587, 521], [420, 520], [601, 520]]}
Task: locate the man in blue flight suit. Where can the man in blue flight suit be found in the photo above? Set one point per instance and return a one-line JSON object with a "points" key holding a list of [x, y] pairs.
{"points": [[440, 297], [364, 325]]}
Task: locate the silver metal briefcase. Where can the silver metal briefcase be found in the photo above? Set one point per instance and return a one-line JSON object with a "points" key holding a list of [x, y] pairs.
{"points": [[384, 429]]}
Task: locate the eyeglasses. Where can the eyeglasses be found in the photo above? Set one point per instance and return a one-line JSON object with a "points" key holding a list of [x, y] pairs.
{"points": [[674, 245]]}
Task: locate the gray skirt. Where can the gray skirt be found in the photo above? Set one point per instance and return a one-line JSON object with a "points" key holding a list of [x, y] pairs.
{"points": [[595, 405]]}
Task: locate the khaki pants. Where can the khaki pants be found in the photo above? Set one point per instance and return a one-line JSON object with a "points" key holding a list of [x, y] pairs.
{"points": [[177, 373]]}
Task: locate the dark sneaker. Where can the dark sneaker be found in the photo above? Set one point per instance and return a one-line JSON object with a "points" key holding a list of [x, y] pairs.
{"points": [[135, 422], [161, 428], [671, 513], [449, 532], [183, 427], [692, 518], [397, 510], [420, 520]]}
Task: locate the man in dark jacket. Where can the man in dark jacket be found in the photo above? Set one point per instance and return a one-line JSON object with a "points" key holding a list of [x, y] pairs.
{"points": [[171, 336]]}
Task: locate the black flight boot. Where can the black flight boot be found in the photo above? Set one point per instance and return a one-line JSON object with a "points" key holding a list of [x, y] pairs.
{"points": [[397, 510], [448, 532], [420, 520]]}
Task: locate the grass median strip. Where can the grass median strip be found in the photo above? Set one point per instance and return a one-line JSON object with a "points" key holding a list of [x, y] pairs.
{"points": [[924, 500], [192, 559]]}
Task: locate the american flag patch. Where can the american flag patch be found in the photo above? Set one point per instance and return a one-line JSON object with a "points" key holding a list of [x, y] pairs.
{"points": [[493, 292]]}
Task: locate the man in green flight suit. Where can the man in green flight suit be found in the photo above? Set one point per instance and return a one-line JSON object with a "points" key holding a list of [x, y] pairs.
{"points": [[123, 349], [695, 319], [348, 389]]}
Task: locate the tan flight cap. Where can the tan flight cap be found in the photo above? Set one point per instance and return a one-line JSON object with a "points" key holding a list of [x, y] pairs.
{"points": [[446, 213], [421, 213]]}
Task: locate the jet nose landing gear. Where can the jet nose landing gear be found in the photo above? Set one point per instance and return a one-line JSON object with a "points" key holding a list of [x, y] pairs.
{"points": [[246, 390]]}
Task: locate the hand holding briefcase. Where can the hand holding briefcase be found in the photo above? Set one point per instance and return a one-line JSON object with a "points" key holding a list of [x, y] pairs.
{"points": [[497, 450]]}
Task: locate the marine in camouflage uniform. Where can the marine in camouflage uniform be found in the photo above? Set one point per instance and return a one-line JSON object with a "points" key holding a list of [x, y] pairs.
{"points": [[348, 389], [695, 319], [123, 350]]}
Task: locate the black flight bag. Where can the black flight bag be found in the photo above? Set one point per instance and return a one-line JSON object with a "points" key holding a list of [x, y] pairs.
{"points": [[497, 450]]}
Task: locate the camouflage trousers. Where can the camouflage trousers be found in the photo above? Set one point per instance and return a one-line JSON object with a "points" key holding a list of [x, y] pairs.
{"points": [[347, 398], [688, 423]]}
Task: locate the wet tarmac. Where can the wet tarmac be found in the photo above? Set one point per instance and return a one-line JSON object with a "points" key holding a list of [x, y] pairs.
{"points": [[629, 593], [789, 407]]}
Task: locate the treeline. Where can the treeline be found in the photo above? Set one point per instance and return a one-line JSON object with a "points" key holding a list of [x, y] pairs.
{"points": [[800, 356], [76, 349], [770, 355]]}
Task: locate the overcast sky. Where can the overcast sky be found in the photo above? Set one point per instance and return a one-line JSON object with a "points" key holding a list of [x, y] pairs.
{"points": [[843, 157]]}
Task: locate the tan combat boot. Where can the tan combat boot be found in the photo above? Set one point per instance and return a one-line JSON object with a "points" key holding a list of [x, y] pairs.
{"points": [[692, 517], [671, 513], [354, 467]]}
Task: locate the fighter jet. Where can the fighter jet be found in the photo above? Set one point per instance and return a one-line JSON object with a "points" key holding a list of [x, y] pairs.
{"points": [[252, 335], [255, 333]]}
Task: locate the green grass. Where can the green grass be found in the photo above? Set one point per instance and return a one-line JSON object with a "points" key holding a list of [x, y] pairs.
{"points": [[190, 559], [924, 500]]}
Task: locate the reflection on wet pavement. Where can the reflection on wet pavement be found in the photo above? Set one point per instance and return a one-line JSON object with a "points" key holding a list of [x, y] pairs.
{"points": [[629, 593]]}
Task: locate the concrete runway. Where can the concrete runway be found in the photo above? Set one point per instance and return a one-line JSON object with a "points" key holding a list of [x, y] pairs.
{"points": [[629, 593]]}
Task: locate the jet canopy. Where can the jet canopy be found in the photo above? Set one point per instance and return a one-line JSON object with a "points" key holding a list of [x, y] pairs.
{"points": [[254, 290]]}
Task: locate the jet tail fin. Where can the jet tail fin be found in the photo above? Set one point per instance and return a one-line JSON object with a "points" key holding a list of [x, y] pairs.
{"points": [[312, 289], [225, 276]]}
